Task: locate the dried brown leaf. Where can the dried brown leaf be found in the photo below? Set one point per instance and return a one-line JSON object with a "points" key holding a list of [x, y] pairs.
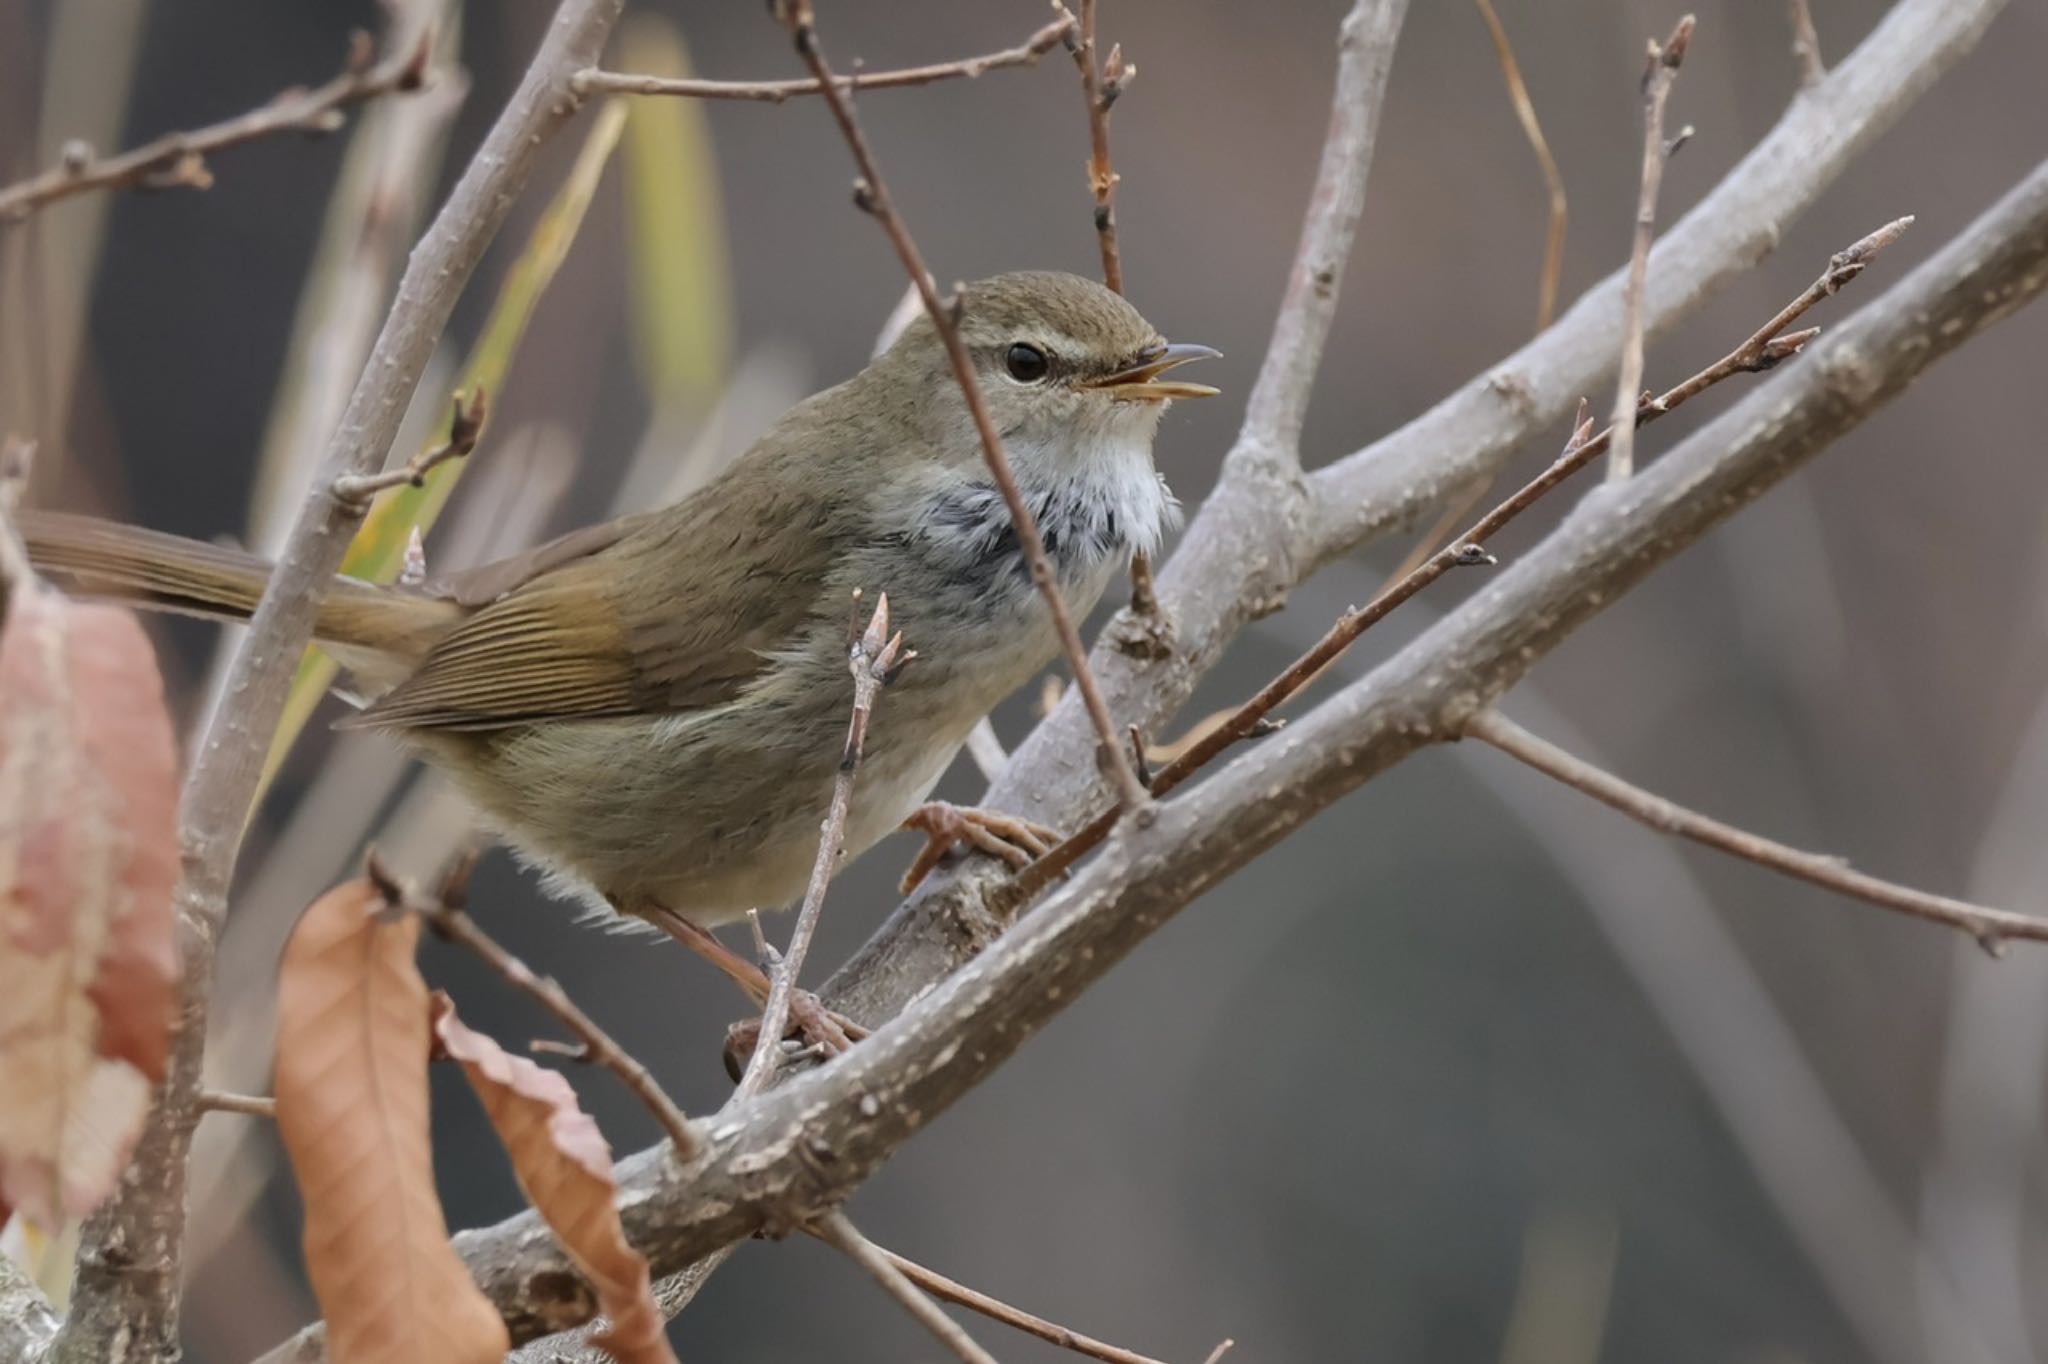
{"points": [[351, 1090], [565, 1167], [88, 858]]}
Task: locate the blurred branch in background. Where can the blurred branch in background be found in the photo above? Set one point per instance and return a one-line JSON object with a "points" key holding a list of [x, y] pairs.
{"points": [[178, 160], [1539, 145]]}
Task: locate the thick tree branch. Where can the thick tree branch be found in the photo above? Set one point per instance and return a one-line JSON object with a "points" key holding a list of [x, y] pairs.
{"points": [[130, 1257], [1026, 53], [797, 1150], [1992, 928], [178, 160], [1265, 528]]}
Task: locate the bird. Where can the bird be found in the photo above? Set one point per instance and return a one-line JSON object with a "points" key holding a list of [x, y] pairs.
{"points": [[651, 711]]}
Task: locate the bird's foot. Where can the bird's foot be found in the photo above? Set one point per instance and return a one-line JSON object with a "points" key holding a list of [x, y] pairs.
{"points": [[814, 1030], [1018, 841]]}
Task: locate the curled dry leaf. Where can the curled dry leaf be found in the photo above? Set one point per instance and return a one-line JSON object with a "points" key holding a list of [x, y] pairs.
{"points": [[88, 858], [351, 1090], [565, 1167]]}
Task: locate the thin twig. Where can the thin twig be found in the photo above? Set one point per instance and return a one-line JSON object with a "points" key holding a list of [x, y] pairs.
{"points": [[178, 160], [1992, 928], [1223, 1347], [465, 428], [873, 195], [835, 1230], [1553, 180], [875, 658], [446, 914], [1763, 349], [249, 1105], [1101, 87], [1657, 80], [1102, 176], [1026, 53], [1806, 46], [995, 1309]]}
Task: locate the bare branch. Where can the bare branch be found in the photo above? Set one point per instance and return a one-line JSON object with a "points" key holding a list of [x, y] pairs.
{"points": [[129, 1265], [1026, 53], [1270, 442], [1264, 529], [995, 1309], [873, 195], [465, 429], [1990, 927], [835, 1230], [1102, 176], [1657, 82], [178, 160], [874, 659], [1763, 349], [446, 913], [1806, 45]]}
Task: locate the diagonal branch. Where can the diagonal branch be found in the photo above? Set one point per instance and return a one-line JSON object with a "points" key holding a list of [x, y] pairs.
{"points": [[129, 1262], [1025, 53], [873, 195], [1992, 928], [178, 160], [836, 1231]]}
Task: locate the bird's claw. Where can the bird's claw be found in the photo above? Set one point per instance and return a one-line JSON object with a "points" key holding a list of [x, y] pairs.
{"points": [[1014, 839]]}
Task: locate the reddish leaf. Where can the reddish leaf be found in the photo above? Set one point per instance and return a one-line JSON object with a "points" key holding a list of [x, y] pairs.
{"points": [[351, 1090], [88, 858], [565, 1167]]}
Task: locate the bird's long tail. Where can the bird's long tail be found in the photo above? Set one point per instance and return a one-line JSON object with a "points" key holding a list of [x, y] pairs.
{"points": [[170, 573]]}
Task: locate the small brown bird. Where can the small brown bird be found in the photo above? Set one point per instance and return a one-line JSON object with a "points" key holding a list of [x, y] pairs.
{"points": [[652, 710]]}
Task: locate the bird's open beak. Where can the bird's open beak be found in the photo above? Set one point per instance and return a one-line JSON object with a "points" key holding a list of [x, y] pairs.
{"points": [[1141, 382]]}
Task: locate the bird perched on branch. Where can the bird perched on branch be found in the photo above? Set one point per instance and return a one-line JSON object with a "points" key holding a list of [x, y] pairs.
{"points": [[651, 710]]}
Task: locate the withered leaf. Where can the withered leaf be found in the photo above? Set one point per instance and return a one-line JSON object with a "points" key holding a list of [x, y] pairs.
{"points": [[88, 860], [564, 1166], [351, 1088]]}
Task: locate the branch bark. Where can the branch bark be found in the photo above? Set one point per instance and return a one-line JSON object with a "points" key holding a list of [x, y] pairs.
{"points": [[125, 1304], [781, 1158]]}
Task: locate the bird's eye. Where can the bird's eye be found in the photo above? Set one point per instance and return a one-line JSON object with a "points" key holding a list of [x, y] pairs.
{"points": [[1027, 364]]}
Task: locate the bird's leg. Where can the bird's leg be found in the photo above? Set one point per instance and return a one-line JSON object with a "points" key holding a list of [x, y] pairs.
{"points": [[830, 1032], [1018, 841]]}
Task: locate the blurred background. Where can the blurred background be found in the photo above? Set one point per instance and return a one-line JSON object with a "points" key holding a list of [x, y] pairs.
{"points": [[1470, 1070]]}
